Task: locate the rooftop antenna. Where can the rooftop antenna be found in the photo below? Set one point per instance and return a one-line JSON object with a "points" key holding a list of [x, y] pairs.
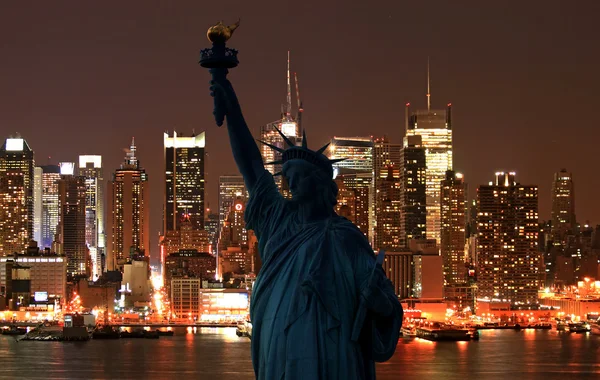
{"points": [[428, 92], [289, 90]]}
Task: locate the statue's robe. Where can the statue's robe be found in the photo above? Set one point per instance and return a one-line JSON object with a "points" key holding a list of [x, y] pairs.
{"points": [[306, 308]]}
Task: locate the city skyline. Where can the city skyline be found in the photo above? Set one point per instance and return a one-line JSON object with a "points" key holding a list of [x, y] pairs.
{"points": [[159, 86]]}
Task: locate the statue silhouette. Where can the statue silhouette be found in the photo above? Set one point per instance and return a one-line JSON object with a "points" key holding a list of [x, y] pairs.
{"points": [[321, 306]]}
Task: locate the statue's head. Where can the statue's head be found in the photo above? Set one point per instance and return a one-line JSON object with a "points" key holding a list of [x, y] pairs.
{"points": [[309, 173]]}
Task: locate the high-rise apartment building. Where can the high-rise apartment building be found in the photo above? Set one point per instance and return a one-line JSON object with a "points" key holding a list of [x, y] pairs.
{"points": [[50, 204], [128, 227], [357, 153], [507, 254], [413, 216], [386, 170], [37, 203], [90, 168], [184, 180], [71, 222], [453, 219], [233, 232], [435, 129], [563, 206], [16, 195]]}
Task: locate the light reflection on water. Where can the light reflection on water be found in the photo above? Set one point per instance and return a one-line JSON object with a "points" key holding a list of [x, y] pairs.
{"points": [[215, 353]]}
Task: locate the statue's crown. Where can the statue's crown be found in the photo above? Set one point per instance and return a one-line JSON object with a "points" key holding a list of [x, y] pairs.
{"points": [[294, 152]]}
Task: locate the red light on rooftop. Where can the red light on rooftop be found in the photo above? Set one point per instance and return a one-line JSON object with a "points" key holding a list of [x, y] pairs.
{"points": [[449, 104], [408, 104]]}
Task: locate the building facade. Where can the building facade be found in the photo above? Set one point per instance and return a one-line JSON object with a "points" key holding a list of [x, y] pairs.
{"points": [[50, 204], [507, 254], [16, 195], [413, 217], [184, 180], [435, 129], [386, 171], [128, 200], [563, 206], [71, 221], [453, 219]]}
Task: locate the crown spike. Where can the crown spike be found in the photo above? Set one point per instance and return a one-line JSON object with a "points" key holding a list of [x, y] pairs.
{"points": [[322, 149], [276, 148], [337, 160], [287, 141], [304, 140], [276, 174], [278, 162]]}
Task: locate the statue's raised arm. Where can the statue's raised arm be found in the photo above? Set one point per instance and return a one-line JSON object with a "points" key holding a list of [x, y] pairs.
{"points": [[245, 151]]}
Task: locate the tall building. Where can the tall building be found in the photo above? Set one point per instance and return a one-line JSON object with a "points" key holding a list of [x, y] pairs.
{"points": [[290, 125], [186, 238], [128, 226], [90, 167], [50, 204], [563, 206], [354, 177], [71, 222], [435, 129], [231, 187], [413, 216], [16, 195], [507, 257], [37, 203], [386, 170], [453, 219], [211, 226], [233, 232], [184, 180]]}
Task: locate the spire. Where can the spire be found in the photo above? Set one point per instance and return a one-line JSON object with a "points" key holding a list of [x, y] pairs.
{"points": [[289, 90], [300, 110], [428, 92]]}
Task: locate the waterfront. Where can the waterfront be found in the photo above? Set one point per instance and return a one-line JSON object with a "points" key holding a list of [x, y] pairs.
{"points": [[219, 354]]}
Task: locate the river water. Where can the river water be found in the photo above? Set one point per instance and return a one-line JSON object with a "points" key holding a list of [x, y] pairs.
{"points": [[220, 354]]}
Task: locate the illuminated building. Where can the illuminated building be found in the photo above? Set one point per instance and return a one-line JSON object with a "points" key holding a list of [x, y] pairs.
{"points": [[398, 267], [507, 254], [184, 180], [186, 238], [48, 271], [453, 218], [231, 187], [16, 195], [435, 129], [413, 214], [90, 167], [563, 206], [386, 169], [50, 204], [211, 226], [136, 279], [233, 232], [289, 125], [357, 153], [188, 262], [71, 221], [354, 177], [129, 209], [189, 301], [37, 203], [428, 272]]}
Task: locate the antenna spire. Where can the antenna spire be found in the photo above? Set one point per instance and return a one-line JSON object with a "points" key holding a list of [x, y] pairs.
{"points": [[300, 110], [428, 92], [289, 90]]}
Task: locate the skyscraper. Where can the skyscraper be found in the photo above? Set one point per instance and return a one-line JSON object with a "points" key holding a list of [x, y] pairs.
{"points": [[435, 129], [128, 203], [386, 170], [290, 125], [453, 219], [413, 217], [71, 230], [354, 177], [507, 257], [90, 167], [50, 204], [184, 180], [230, 188], [16, 195], [563, 206], [37, 203]]}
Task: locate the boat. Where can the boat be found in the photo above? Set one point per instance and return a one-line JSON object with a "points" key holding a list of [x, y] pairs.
{"points": [[248, 325], [165, 333], [474, 334], [442, 333], [408, 332], [561, 326], [577, 328], [595, 328], [151, 335], [106, 332], [14, 330], [240, 330]]}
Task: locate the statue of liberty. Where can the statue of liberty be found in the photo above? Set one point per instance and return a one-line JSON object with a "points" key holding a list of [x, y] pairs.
{"points": [[321, 307]]}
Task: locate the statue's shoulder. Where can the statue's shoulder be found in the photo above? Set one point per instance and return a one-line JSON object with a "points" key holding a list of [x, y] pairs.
{"points": [[348, 234]]}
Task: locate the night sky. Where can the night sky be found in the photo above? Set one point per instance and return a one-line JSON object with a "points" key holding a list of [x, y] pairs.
{"points": [[82, 77]]}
